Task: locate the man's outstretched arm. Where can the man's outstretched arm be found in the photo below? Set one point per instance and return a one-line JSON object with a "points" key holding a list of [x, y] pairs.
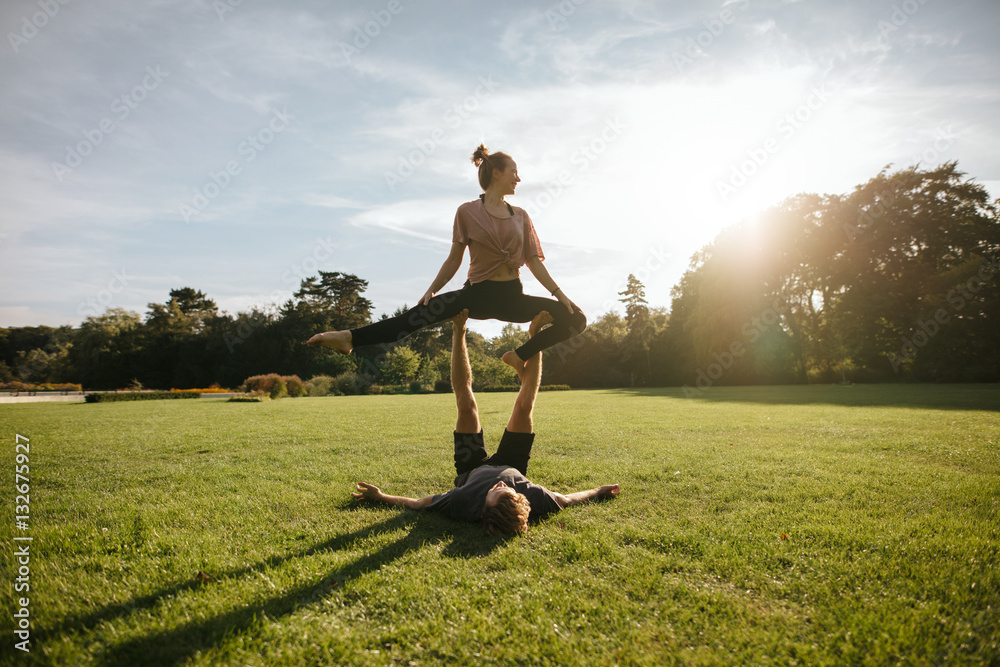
{"points": [[583, 496], [368, 491]]}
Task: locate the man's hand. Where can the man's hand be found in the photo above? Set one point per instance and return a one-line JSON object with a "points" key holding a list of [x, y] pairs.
{"points": [[459, 320], [367, 491], [608, 490]]}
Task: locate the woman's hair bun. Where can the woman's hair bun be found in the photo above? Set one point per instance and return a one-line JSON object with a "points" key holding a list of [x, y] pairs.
{"points": [[480, 154]]}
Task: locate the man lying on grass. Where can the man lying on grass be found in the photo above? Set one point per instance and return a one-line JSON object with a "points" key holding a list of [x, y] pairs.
{"points": [[493, 488]]}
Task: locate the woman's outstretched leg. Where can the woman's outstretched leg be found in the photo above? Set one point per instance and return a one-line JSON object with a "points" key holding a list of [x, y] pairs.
{"points": [[439, 309], [342, 341]]}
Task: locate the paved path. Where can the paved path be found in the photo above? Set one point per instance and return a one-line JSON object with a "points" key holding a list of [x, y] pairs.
{"points": [[59, 398], [41, 398]]}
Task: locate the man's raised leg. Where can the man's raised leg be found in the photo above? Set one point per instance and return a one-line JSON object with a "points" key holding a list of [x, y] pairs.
{"points": [[461, 378], [520, 416], [470, 450]]}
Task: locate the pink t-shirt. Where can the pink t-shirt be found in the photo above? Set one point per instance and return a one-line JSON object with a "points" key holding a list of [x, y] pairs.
{"points": [[494, 241]]}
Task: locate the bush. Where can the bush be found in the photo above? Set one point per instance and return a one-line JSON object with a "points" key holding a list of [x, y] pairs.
{"points": [[514, 387], [319, 385], [294, 386], [214, 389], [114, 397], [271, 384], [442, 387], [252, 398], [417, 387], [24, 386], [351, 384]]}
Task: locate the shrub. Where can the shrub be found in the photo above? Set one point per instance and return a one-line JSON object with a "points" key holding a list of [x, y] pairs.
{"points": [[16, 386], [400, 366], [294, 386], [24, 386], [351, 384], [514, 387], [417, 387], [271, 384], [442, 387], [319, 385], [114, 397], [252, 398], [214, 389]]}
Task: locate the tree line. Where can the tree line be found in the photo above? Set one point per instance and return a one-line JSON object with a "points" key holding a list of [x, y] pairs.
{"points": [[893, 281]]}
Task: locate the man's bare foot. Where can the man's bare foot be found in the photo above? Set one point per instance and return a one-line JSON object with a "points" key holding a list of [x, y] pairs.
{"points": [[511, 359], [341, 341], [541, 319], [460, 319]]}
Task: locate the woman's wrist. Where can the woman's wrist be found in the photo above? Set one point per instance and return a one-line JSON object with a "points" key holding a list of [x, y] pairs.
{"points": [[556, 291]]}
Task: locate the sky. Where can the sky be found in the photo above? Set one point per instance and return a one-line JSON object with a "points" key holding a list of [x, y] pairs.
{"points": [[240, 146]]}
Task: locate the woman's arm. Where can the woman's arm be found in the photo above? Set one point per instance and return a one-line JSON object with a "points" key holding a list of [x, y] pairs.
{"points": [[539, 271], [447, 272]]}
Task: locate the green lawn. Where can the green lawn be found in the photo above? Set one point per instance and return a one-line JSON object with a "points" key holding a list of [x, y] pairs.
{"points": [[888, 496]]}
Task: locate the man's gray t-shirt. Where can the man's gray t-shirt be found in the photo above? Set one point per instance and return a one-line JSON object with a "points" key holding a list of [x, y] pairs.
{"points": [[465, 502]]}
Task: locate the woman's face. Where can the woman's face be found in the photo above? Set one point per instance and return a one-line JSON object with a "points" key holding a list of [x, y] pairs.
{"points": [[506, 181]]}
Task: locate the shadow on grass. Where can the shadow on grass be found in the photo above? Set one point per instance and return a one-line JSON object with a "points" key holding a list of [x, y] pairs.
{"points": [[923, 396], [176, 645]]}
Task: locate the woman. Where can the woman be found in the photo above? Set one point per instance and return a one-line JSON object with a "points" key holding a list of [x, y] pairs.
{"points": [[501, 239]]}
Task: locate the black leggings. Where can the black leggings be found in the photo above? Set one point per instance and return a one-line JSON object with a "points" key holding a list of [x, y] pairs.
{"points": [[502, 300]]}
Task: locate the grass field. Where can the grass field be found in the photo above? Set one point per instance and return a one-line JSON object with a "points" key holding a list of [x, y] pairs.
{"points": [[773, 525]]}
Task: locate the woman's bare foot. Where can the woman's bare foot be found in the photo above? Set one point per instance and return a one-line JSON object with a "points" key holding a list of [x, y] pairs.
{"points": [[541, 319], [511, 359], [341, 341]]}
